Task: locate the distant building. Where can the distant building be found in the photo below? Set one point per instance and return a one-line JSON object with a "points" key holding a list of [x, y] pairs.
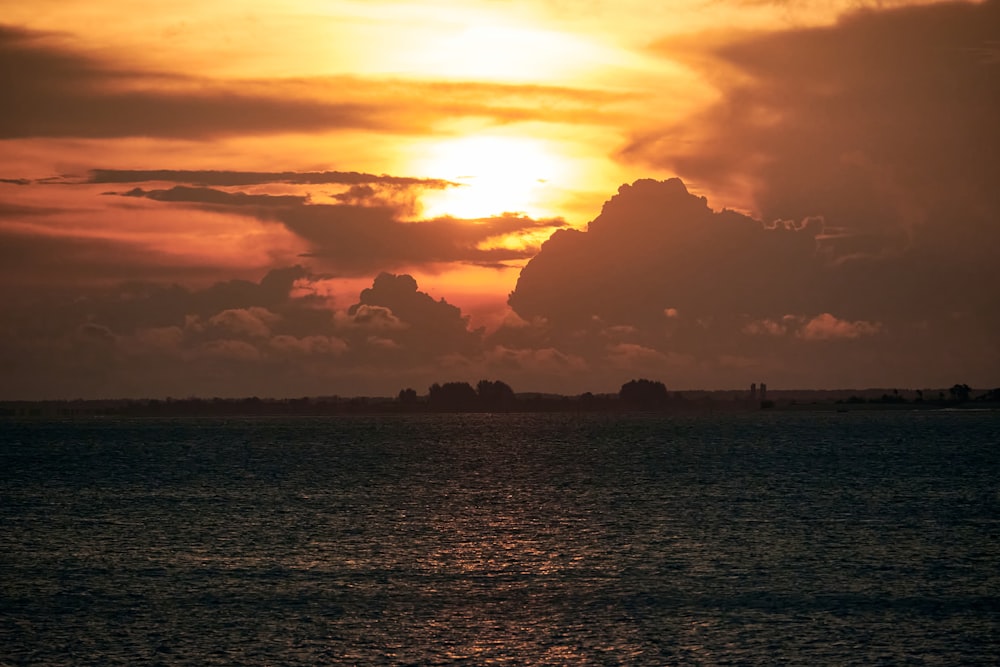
{"points": [[763, 391], [753, 391]]}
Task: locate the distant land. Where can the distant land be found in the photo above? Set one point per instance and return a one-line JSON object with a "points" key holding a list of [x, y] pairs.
{"points": [[646, 396]]}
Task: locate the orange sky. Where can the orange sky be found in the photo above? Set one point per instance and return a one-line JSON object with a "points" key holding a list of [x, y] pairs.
{"points": [[199, 143]]}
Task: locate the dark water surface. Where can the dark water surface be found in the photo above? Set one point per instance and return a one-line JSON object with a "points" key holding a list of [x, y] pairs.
{"points": [[502, 539]]}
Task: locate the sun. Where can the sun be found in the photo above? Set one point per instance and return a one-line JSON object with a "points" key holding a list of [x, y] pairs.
{"points": [[496, 175]]}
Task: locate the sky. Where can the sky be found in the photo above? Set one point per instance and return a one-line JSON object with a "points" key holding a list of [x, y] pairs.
{"points": [[314, 198]]}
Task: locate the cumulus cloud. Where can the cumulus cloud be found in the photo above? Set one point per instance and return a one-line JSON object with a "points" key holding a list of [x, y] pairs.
{"points": [[827, 327], [254, 321], [660, 278], [660, 285], [364, 316], [425, 327], [271, 337], [656, 249], [824, 326]]}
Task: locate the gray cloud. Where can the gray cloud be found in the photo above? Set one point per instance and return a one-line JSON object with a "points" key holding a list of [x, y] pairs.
{"points": [[222, 178]]}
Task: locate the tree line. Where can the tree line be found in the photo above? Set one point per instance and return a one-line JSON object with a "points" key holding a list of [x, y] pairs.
{"points": [[496, 395]]}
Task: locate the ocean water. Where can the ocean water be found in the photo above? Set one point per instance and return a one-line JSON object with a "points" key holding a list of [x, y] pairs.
{"points": [[765, 538]]}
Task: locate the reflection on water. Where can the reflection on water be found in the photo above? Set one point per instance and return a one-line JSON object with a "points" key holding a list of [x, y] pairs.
{"points": [[502, 539]]}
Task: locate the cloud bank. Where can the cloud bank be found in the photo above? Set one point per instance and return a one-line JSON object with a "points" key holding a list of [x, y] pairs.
{"points": [[660, 284]]}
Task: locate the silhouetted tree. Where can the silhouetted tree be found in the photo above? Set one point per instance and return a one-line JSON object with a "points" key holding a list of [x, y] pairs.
{"points": [[407, 396], [960, 393], [495, 395], [452, 396], [643, 393]]}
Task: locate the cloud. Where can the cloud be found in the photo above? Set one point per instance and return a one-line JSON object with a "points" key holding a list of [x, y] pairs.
{"points": [[712, 299], [222, 178], [359, 240], [828, 327], [376, 318], [62, 92], [370, 233], [375, 231], [822, 327], [255, 322], [213, 196], [883, 123], [730, 282], [656, 248], [768, 327], [237, 337], [413, 320]]}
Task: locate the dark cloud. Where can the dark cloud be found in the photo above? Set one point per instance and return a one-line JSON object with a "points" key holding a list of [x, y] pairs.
{"points": [[883, 126], [424, 327], [656, 247], [357, 194], [55, 91], [238, 337], [188, 195], [362, 239], [368, 235], [208, 178], [660, 285], [883, 123], [660, 281]]}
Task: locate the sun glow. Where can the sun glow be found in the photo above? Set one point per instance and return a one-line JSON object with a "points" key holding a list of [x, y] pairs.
{"points": [[496, 175]]}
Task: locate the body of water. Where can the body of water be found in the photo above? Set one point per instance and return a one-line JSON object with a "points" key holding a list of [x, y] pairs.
{"points": [[502, 539]]}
